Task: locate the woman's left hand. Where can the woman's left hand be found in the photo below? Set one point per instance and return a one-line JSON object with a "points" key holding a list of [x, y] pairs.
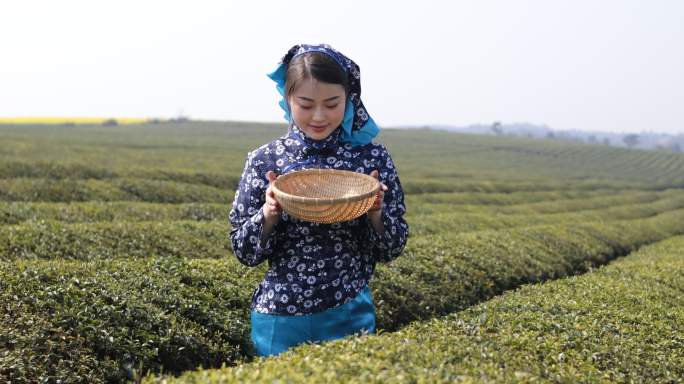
{"points": [[377, 205]]}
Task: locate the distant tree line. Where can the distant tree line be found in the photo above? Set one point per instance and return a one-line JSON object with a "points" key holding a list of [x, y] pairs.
{"points": [[656, 141]]}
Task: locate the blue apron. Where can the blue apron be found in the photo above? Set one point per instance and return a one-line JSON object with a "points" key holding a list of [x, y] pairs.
{"points": [[273, 334]]}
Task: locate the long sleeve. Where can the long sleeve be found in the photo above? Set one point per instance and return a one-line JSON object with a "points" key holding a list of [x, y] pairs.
{"points": [[313, 267], [388, 246], [247, 216]]}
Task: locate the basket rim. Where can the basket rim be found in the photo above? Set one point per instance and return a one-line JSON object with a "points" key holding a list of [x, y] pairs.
{"points": [[321, 201]]}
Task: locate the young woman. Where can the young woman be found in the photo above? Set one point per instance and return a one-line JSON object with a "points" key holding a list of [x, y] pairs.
{"points": [[316, 286]]}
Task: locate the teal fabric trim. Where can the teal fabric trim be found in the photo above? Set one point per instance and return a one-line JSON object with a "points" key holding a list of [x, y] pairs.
{"points": [[275, 334], [278, 75]]}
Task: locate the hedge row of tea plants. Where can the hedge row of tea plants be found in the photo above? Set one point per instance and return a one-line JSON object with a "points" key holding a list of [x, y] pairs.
{"points": [[85, 241], [454, 220], [622, 323], [220, 148], [618, 198], [513, 198], [51, 170], [417, 185], [94, 211], [15, 212], [96, 321], [66, 190], [176, 313], [209, 239], [546, 205], [156, 300], [165, 191], [582, 161], [440, 274]]}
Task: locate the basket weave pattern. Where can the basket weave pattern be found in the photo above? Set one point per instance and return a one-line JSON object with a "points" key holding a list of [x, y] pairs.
{"points": [[325, 195]]}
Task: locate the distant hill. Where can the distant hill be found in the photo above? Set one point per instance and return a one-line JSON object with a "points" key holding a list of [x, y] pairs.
{"points": [[644, 140]]}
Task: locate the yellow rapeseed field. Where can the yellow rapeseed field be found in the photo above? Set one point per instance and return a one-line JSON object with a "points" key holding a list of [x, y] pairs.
{"points": [[69, 120]]}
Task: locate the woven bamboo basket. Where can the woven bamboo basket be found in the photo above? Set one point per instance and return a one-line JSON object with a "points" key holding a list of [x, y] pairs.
{"points": [[325, 195]]}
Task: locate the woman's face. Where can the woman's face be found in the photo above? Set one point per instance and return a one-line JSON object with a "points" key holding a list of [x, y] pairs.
{"points": [[317, 107]]}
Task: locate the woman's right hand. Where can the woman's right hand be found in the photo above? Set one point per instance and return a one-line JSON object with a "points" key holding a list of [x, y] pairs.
{"points": [[271, 207]]}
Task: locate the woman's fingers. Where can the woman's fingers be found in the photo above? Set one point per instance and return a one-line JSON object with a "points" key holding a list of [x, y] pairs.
{"points": [[271, 201], [271, 205], [377, 204], [270, 198], [376, 174]]}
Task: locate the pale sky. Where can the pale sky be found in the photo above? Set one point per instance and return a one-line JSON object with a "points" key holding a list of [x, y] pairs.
{"points": [[599, 65]]}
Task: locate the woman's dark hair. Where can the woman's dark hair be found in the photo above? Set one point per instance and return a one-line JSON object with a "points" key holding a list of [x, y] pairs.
{"points": [[314, 65]]}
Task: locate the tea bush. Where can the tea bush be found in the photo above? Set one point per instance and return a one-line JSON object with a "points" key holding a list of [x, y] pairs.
{"points": [[440, 274], [513, 198], [173, 313], [85, 241], [95, 321], [94, 211], [526, 202], [67, 190], [489, 211], [47, 170], [50, 239], [115, 260], [619, 323], [455, 220]]}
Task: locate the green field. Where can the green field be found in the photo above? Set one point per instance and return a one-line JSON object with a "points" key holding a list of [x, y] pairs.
{"points": [[115, 261]]}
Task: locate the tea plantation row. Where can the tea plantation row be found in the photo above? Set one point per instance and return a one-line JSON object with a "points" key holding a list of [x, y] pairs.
{"points": [[623, 323], [49, 170], [127, 189], [208, 239], [95, 320], [114, 254], [163, 191], [420, 205], [219, 148]]}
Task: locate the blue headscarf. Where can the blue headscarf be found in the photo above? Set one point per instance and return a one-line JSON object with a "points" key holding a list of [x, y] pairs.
{"points": [[358, 128]]}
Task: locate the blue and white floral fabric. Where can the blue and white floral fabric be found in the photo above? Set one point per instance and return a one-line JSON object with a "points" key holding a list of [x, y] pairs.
{"points": [[314, 267]]}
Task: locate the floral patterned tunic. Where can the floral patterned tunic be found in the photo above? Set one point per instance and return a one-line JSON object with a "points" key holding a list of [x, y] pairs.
{"points": [[314, 267]]}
